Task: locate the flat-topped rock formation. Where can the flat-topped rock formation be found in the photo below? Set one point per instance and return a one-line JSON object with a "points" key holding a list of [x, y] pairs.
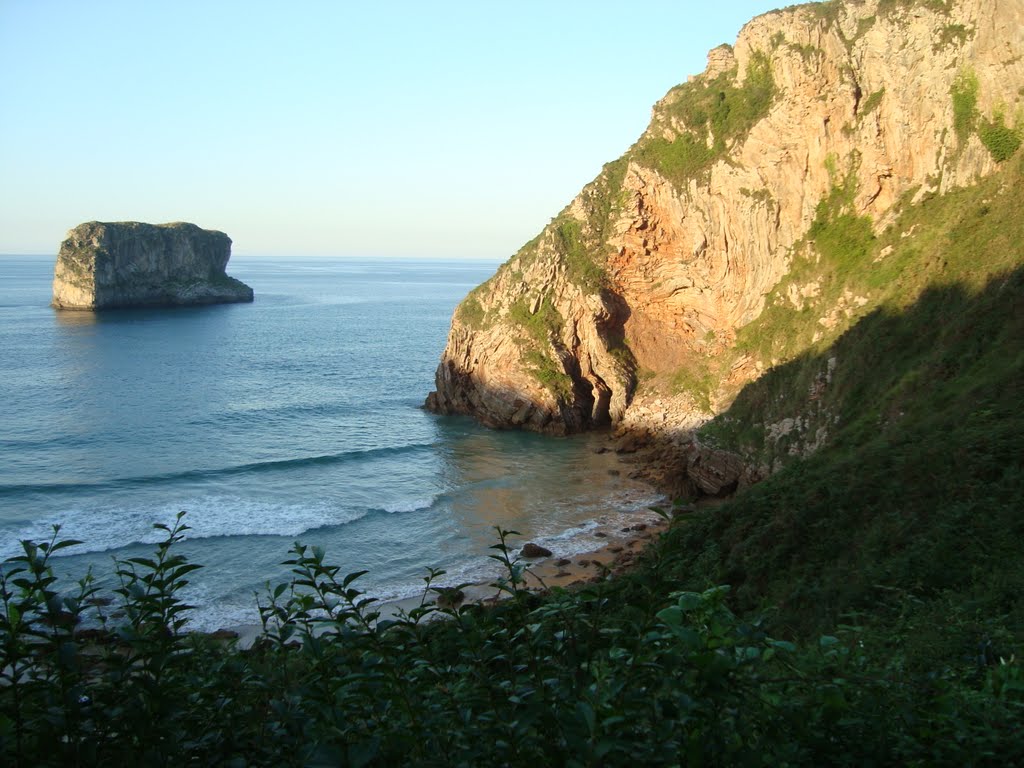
{"points": [[103, 265]]}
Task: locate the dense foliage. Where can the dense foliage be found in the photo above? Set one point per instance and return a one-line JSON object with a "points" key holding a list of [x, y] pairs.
{"points": [[627, 670], [999, 139]]}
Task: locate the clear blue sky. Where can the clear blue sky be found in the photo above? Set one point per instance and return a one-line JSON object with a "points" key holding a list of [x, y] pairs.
{"points": [[377, 128]]}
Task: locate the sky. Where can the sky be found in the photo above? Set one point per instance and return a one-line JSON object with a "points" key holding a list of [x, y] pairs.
{"points": [[383, 128]]}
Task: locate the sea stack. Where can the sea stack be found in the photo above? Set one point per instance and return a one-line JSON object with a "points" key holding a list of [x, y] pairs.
{"points": [[106, 265]]}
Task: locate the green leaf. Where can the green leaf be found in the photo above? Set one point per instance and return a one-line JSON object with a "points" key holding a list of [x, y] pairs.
{"points": [[689, 601], [68, 654], [672, 616], [352, 577], [586, 712], [782, 645]]}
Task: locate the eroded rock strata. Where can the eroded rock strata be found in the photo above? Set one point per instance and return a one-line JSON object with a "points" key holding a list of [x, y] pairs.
{"points": [[625, 310], [131, 264]]}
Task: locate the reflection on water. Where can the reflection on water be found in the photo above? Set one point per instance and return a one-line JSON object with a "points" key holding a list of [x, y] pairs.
{"points": [[532, 484], [74, 318]]}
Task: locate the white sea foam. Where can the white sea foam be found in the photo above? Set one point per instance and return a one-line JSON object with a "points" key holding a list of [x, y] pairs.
{"points": [[109, 527], [214, 612], [410, 505], [219, 516], [611, 515]]}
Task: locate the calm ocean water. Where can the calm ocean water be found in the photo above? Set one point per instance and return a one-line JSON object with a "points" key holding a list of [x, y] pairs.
{"points": [[297, 417]]}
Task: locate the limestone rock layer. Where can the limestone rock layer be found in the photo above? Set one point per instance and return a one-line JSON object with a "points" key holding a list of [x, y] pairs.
{"points": [[130, 264], [657, 263]]}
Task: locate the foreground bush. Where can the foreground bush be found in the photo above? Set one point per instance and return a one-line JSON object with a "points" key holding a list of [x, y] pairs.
{"points": [[569, 678]]}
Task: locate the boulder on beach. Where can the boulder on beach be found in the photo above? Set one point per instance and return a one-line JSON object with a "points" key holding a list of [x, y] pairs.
{"points": [[534, 550]]}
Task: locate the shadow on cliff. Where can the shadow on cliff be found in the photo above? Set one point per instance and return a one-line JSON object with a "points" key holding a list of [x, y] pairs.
{"points": [[956, 349], [919, 487], [593, 397]]}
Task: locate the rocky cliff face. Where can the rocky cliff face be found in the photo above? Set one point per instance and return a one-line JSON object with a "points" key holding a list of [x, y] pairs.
{"points": [[806, 136], [126, 264]]}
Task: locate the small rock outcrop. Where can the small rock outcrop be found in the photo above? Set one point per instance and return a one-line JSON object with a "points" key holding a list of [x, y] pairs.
{"points": [[131, 264]]}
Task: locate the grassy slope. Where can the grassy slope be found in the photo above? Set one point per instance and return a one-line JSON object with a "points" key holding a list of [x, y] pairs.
{"points": [[911, 520]]}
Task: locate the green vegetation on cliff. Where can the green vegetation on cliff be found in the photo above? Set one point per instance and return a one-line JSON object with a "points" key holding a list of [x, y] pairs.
{"points": [[1001, 140], [541, 328], [892, 6], [576, 256], [964, 93], [470, 313], [712, 114], [582, 246], [844, 275], [907, 524]]}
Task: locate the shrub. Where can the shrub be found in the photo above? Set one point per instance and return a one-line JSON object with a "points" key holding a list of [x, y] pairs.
{"points": [[871, 103], [547, 321], [696, 379], [620, 673], [471, 314], [548, 373], [1000, 140], [964, 92], [678, 161], [578, 259]]}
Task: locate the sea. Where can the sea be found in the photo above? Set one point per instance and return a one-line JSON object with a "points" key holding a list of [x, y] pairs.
{"points": [[295, 419]]}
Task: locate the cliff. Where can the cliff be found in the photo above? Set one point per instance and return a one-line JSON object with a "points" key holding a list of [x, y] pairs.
{"points": [[751, 223], [127, 264]]}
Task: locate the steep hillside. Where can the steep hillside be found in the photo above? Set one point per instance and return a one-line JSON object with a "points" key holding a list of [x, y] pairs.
{"points": [[758, 218], [911, 512]]}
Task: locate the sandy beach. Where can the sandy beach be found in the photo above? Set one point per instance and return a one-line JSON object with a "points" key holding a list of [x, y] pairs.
{"points": [[555, 571], [542, 574]]}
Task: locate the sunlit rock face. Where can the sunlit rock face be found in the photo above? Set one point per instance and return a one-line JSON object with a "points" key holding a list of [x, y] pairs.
{"points": [[131, 264], [673, 248]]}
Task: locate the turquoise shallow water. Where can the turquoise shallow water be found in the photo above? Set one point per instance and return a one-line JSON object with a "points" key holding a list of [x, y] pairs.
{"points": [[297, 417]]}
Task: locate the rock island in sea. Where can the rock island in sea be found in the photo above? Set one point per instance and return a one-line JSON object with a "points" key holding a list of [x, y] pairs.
{"points": [[105, 265]]}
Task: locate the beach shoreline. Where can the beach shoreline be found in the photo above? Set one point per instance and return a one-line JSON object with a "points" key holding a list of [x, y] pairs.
{"points": [[541, 575], [640, 455]]}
